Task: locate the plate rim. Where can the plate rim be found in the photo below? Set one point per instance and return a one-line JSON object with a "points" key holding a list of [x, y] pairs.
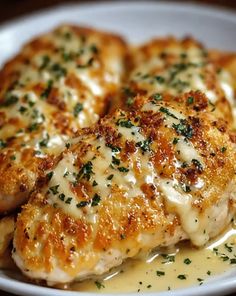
{"points": [[207, 9]]}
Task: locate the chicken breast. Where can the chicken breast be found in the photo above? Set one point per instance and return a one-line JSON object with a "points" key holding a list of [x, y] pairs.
{"points": [[159, 174], [59, 82], [176, 66], [227, 61]]}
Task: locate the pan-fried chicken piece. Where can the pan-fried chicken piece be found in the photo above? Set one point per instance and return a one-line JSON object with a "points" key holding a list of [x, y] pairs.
{"points": [[7, 225], [177, 66], [6, 230], [59, 82], [227, 61], [159, 174]]}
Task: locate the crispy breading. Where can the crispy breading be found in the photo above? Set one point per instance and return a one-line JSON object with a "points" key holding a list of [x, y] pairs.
{"points": [[174, 66], [152, 176], [58, 83], [7, 225]]}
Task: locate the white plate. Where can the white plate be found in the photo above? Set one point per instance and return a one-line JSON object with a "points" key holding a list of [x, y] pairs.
{"points": [[137, 21]]}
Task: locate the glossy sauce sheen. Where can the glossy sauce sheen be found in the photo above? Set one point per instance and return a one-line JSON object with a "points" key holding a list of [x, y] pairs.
{"points": [[184, 265]]}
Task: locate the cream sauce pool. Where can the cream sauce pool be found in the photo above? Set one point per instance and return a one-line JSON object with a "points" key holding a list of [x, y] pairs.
{"points": [[164, 270]]}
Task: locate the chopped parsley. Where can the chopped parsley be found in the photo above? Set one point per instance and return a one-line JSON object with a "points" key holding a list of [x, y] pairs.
{"points": [[228, 248], [168, 258], [124, 123], [86, 171], [123, 169], [95, 183], [197, 164], [86, 65], [45, 62], [94, 49], [115, 160], [129, 101], [99, 285], [160, 273], [167, 112], [94, 202], [82, 204], [54, 189], [68, 200], [114, 148], [33, 127], [183, 128], [208, 272], [3, 144], [190, 100], [22, 109], [160, 79], [77, 109], [144, 145], [187, 261], [67, 56], [96, 199], [181, 276], [156, 97], [186, 188], [61, 196], [110, 177], [44, 142], [10, 100], [175, 141], [200, 280], [233, 261], [223, 149], [58, 70], [47, 90], [49, 175]]}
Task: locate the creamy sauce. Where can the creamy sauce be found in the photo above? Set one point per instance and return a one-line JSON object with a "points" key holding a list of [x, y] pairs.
{"points": [[184, 265]]}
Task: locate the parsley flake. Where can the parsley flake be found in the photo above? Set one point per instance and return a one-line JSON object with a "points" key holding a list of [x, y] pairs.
{"points": [[54, 189], [77, 109]]}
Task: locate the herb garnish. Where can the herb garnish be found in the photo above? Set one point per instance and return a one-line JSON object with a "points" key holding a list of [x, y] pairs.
{"points": [[49, 175], [187, 261], [160, 273], [167, 112], [181, 276], [77, 109], [183, 128], [86, 171], [54, 189], [10, 100], [144, 145], [123, 169], [124, 123], [99, 285], [197, 164], [96, 199]]}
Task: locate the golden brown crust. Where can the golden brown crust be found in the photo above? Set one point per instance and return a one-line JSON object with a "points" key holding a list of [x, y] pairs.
{"points": [[173, 66], [143, 142], [59, 82]]}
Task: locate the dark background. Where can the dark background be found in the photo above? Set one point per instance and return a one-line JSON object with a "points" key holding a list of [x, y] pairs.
{"points": [[13, 8], [10, 9]]}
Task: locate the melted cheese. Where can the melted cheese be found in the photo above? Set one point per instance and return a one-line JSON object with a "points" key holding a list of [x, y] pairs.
{"points": [[187, 152], [186, 70], [180, 203]]}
